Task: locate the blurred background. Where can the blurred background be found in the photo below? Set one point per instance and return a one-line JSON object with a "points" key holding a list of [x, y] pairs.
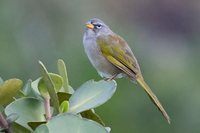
{"points": [[164, 35]]}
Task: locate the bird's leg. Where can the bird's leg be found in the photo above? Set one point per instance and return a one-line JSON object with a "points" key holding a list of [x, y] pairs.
{"points": [[110, 78]]}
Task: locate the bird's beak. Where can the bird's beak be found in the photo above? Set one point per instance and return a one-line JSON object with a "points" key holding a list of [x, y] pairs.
{"points": [[90, 26]]}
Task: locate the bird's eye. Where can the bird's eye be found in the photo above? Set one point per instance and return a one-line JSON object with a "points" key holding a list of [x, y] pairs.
{"points": [[98, 26]]}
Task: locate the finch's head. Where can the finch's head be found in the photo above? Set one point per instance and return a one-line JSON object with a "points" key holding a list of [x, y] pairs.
{"points": [[96, 27]]}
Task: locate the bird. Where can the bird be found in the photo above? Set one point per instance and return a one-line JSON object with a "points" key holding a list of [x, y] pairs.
{"points": [[112, 57]]}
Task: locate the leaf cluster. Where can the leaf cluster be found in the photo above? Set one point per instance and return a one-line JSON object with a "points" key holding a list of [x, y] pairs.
{"points": [[49, 104]]}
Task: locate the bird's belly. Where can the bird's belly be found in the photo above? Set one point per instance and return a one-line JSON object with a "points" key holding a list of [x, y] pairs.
{"points": [[102, 65], [104, 68]]}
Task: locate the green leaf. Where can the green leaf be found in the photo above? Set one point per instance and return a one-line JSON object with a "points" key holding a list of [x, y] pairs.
{"points": [[90, 114], [28, 91], [9, 89], [12, 117], [34, 85], [27, 88], [57, 82], [68, 123], [42, 129], [1, 108], [63, 72], [28, 109], [90, 95], [108, 129], [20, 94], [1, 80], [50, 87], [64, 106], [62, 96], [16, 128], [34, 125]]}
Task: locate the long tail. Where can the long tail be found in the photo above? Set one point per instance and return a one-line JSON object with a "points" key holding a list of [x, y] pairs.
{"points": [[153, 97]]}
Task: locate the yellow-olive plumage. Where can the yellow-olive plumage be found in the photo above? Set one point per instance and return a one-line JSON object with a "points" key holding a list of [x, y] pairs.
{"points": [[113, 58]]}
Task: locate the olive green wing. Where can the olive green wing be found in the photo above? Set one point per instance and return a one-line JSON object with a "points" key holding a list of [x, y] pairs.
{"points": [[116, 50]]}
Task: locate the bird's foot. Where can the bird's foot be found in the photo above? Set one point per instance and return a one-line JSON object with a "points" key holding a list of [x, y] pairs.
{"points": [[110, 78]]}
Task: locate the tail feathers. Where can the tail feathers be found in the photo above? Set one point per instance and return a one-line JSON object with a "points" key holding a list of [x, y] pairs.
{"points": [[153, 97]]}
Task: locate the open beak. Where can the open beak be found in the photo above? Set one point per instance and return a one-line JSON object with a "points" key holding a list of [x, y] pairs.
{"points": [[90, 26]]}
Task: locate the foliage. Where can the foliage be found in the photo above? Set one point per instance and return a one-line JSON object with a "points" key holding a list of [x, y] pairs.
{"points": [[49, 103]]}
